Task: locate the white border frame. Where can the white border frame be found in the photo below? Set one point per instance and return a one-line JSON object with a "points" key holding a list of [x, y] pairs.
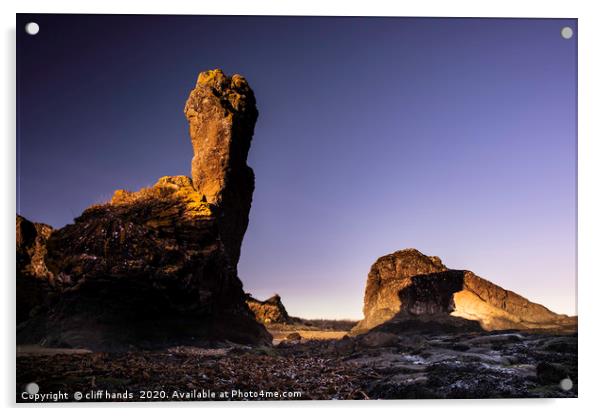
{"points": [[589, 170]]}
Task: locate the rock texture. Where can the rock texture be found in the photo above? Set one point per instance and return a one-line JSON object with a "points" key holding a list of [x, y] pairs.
{"points": [[269, 311], [374, 365], [34, 280], [221, 112], [31, 247], [407, 285], [158, 267]]}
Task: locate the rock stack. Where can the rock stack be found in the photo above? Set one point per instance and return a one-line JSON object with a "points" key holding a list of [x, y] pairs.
{"points": [[158, 267], [407, 290], [221, 112], [269, 311]]}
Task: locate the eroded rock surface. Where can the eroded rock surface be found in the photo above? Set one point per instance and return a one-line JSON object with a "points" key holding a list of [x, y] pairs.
{"points": [[371, 366], [34, 281], [407, 284], [465, 365], [158, 267], [269, 311], [221, 112]]}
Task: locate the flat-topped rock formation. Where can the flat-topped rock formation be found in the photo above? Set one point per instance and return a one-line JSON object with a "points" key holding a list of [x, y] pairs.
{"points": [[269, 311], [408, 290], [158, 267]]}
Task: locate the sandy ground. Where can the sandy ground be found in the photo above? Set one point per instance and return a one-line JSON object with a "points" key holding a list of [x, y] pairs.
{"points": [[279, 336], [306, 335]]}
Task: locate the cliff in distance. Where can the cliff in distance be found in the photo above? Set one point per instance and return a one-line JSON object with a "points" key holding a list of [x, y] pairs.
{"points": [[407, 286], [158, 267]]}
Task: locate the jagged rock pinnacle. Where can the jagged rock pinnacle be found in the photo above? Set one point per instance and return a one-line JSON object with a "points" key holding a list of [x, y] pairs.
{"points": [[156, 267], [221, 113]]}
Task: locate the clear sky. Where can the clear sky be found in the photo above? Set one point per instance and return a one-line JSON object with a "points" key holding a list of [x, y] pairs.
{"points": [[453, 136]]}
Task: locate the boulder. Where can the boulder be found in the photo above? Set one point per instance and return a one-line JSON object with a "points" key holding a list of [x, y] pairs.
{"points": [[377, 339], [158, 267], [345, 345], [408, 290], [294, 336]]}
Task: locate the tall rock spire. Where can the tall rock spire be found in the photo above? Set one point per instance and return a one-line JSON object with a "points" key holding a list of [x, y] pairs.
{"points": [[221, 112], [157, 267]]}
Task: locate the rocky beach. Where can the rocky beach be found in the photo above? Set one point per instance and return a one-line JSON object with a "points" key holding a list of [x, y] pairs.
{"points": [[140, 298]]}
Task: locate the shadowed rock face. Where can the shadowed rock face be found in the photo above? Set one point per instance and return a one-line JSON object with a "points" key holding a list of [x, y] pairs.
{"points": [[388, 276], [407, 284], [158, 267], [221, 112], [271, 310]]}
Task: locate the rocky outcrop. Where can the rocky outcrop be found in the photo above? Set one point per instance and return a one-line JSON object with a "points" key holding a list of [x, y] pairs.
{"points": [[221, 112], [271, 310], [158, 267], [406, 287], [31, 247], [34, 280]]}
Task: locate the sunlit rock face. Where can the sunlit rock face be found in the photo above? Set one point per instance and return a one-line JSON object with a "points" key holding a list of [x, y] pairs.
{"points": [[221, 113], [155, 267], [407, 285], [31, 247], [271, 310], [34, 280]]}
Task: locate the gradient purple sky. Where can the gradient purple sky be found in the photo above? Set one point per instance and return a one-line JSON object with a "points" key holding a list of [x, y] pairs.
{"points": [[453, 136]]}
